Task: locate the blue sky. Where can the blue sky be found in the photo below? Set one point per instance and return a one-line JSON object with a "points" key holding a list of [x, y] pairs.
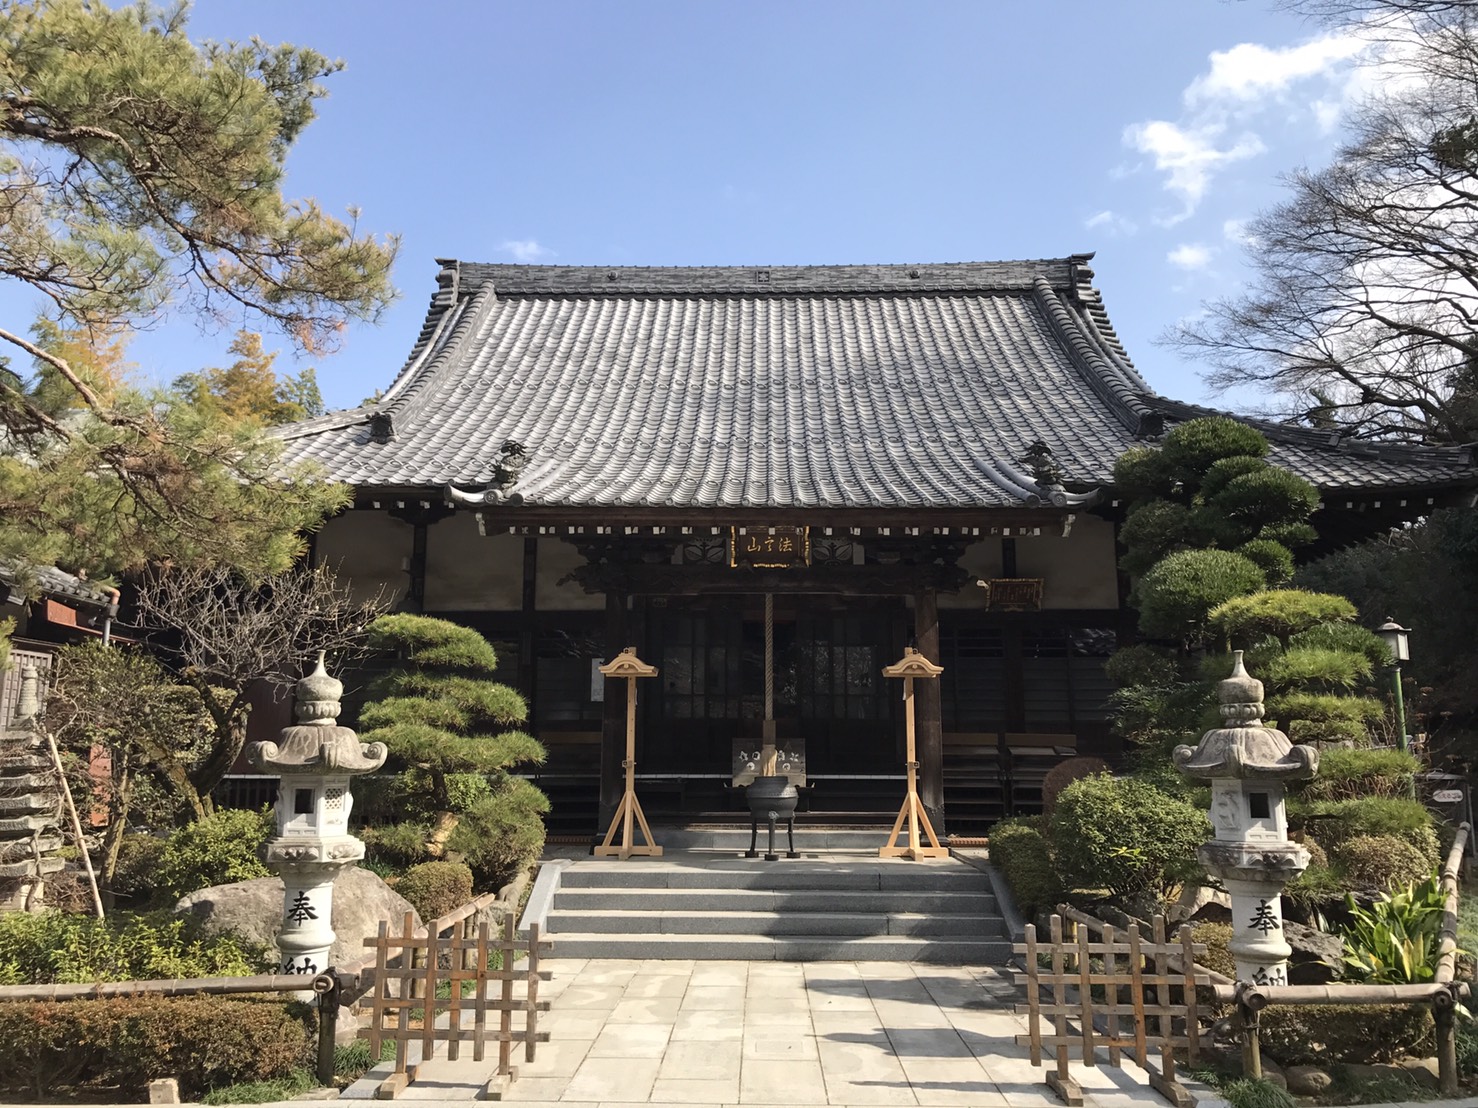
{"points": [[657, 132]]}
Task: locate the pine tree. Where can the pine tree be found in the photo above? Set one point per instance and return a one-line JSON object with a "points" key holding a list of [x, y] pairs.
{"points": [[441, 715]]}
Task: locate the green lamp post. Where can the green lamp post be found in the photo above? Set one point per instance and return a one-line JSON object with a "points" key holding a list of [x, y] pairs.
{"points": [[1395, 638]]}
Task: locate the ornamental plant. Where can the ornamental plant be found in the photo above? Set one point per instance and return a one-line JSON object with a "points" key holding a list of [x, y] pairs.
{"points": [[447, 723]]}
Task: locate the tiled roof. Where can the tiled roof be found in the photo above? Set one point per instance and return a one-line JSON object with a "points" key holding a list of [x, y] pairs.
{"points": [[814, 386]]}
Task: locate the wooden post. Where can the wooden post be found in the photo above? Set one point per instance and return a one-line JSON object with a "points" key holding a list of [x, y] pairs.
{"points": [[613, 716], [628, 811], [1245, 1023], [328, 1029], [1444, 1013], [911, 665], [930, 713]]}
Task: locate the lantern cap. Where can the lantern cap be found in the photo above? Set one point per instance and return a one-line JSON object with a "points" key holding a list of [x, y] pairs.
{"points": [[912, 664], [1244, 747], [627, 664]]}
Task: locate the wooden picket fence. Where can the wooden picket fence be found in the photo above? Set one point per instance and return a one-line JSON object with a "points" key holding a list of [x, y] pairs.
{"points": [[408, 971], [1085, 985]]}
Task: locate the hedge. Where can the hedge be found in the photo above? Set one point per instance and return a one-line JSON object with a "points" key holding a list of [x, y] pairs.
{"points": [[204, 1041]]}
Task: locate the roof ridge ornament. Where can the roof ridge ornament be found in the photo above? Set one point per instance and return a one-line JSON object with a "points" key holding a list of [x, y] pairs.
{"points": [[513, 456], [1044, 474]]}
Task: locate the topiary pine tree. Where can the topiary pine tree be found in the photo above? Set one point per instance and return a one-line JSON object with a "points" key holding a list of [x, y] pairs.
{"points": [[1209, 538], [443, 718]]}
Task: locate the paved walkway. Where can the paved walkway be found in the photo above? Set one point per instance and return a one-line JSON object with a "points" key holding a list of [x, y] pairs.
{"points": [[777, 1033]]}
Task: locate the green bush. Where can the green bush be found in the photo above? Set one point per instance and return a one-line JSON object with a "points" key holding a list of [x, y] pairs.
{"points": [[1024, 856], [1268, 496], [1218, 956], [1281, 613], [1151, 531], [1348, 774], [1273, 558], [205, 1041], [1303, 666], [435, 888], [1064, 774], [1379, 862], [502, 836], [223, 847], [1176, 596], [1324, 717], [1337, 821], [1321, 1033], [1141, 664], [1349, 637], [53, 948], [1124, 835], [139, 857], [1140, 474], [1224, 470], [1192, 447], [1248, 1092]]}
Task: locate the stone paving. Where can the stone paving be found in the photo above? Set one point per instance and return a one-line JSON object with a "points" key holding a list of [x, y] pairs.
{"points": [[777, 1033]]}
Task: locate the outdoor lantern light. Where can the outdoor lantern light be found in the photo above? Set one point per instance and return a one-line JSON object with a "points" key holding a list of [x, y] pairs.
{"points": [[1394, 636]]}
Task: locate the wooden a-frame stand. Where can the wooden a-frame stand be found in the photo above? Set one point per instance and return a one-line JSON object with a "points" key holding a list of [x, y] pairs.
{"points": [[628, 665], [911, 665]]}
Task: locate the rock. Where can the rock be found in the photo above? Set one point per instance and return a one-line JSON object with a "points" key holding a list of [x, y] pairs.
{"points": [[1363, 1072], [1206, 905], [1423, 1071], [1307, 1080], [253, 910], [1317, 958]]}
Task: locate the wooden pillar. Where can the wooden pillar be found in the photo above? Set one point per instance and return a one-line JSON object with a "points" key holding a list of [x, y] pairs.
{"points": [[613, 716], [928, 712]]}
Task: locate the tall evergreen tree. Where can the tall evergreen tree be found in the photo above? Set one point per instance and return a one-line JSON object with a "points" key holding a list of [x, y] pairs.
{"points": [[442, 716]]}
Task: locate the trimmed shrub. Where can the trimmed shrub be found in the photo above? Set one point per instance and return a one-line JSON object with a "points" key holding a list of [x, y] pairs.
{"points": [[139, 857], [1140, 474], [1191, 448], [1224, 470], [53, 948], [1280, 613], [502, 836], [1124, 835], [1273, 558], [1151, 531], [1347, 774], [1337, 821], [1324, 717], [205, 1041], [435, 888], [223, 847], [1345, 636], [1141, 664], [1272, 495], [1064, 774], [1301, 666], [1318, 1033], [1024, 856], [1176, 596], [1218, 956], [1379, 862]]}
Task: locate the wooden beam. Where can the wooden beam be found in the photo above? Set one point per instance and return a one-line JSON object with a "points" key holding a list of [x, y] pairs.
{"points": [[613, 716], [930, 716]]}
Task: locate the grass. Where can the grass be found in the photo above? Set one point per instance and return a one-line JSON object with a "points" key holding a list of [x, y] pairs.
{"points": [[1346, 1088], [261, 1092]]}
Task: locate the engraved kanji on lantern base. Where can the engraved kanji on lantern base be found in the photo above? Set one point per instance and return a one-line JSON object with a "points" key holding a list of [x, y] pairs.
{"points": [[912, 665], [314, 759], [628, 665], [1247, 764]]}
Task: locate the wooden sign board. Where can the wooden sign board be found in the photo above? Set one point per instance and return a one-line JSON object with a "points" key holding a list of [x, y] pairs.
{"points": [[790, 760], [769, 547], [1014, 594]]}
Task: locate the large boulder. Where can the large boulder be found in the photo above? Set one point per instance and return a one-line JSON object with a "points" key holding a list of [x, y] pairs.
{"points": [[253, 910], [1317, 958]]}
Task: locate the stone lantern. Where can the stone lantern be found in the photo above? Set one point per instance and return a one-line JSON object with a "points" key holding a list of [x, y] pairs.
{"points": [[314, 760], [1247, 764]]}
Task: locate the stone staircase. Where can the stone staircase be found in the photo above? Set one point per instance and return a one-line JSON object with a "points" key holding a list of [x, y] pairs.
{"points": [[819, 908]]}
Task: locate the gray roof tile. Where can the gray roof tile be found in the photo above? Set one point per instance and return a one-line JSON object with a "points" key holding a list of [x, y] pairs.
{"points": [[815, 386]]}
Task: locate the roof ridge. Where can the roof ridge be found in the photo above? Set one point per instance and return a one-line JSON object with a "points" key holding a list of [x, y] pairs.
{"points": [[514, 279], [1122, 395], [407, 397], [1322, 440]]}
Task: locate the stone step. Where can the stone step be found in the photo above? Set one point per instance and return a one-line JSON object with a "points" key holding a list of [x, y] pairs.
{"points": [[789, 948], [862, 878], [815, 924], [771, 900]]}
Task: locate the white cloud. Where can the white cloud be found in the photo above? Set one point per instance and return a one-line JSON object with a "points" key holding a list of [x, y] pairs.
{"points": [[1190, 255], [1188, 157], [1249, 71], [526, 250], [1111, 223], [1235, 230]]}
